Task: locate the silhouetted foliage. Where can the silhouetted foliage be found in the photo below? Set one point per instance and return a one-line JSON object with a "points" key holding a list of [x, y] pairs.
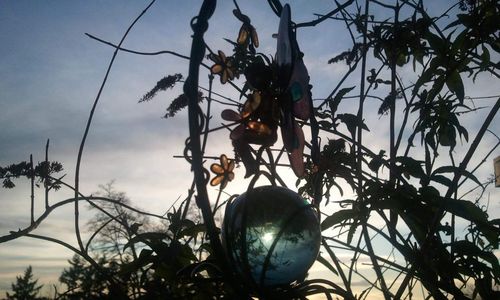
{"points": [[25, 287], [43, 170], [416, 187], [165, 83], [178, 104]]}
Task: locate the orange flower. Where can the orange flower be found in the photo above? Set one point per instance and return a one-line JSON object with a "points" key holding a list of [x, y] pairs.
{"points": [[247, 31], [224, 172], [252, 103], [248, 34], [260, 128], [223, 66]]}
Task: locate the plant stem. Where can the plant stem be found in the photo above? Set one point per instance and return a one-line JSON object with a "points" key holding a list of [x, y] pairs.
{"points": [[89, 122], [199, 25]]}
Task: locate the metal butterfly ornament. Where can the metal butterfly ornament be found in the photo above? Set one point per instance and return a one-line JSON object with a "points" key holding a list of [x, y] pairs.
{"points": [[280, 93], [295, 95]]}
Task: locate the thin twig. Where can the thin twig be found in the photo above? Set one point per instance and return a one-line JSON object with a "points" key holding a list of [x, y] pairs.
{"points": [[47, 188], [323, 18], [117, 47], [89, 122], [32, 193]]}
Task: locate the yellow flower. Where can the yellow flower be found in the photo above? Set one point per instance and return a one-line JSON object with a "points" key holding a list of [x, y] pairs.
{"points": [[224, 172], [223, 66]]}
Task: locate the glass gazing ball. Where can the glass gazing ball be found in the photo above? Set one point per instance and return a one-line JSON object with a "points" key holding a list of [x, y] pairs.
{"points": [[271, 235]]}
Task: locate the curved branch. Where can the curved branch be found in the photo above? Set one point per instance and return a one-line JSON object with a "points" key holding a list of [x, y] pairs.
{"points": [[22, 232], [89, 122], [118, 47], [323, 18]]}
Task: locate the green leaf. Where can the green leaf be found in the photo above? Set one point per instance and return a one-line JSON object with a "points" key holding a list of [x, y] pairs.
{"points": [[460, 40], [447, 136], [389, 101], [437, 86], [436, 42], [452, 169], [192, 231], [146, 238], [206, 247], [429, 192], [334, 104], [145, 257], [453, 24], [485, 57], [186, 255], [455, 84], [465, 209], [401, 59], [425, 77], [325, 124], [352, 122], [490, 232], [411, 166], [466, 248], [351, 232], [463, 132], [338, 217], [327, 264], [441, 179], [377, 161]]}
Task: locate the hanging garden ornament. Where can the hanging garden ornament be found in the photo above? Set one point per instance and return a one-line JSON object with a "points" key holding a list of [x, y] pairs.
{"points": [[257, 126], [293, 81], [272, 236]]}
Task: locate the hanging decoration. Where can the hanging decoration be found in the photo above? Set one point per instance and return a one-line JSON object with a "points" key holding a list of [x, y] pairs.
{"points": [[279, 92], [271, 235]]}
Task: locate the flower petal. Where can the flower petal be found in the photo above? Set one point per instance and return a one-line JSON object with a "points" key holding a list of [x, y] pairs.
{"points": [[230, 168], [223, 77], [217, 169], [243, 35], [216, 69], [230, 73], [230, 115], [255, 38], [256, 99], [224, 162], [259, 128], [214, 58], [252, 103], [222, 56], [216, 180], [237, 133]]}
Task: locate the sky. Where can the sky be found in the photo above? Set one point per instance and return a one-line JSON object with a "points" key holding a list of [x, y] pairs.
{"points": [[51, 73]]}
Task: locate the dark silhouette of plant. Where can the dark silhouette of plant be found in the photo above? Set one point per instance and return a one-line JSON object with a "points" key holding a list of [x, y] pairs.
{"points": [[83, 281], [25, 287], [405, 206]]}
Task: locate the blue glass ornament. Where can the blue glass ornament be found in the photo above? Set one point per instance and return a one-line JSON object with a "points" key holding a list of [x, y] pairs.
{"points": [[271, 235]]}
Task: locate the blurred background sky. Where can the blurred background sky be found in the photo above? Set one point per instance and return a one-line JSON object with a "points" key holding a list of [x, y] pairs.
{"points": [[51, 72]]}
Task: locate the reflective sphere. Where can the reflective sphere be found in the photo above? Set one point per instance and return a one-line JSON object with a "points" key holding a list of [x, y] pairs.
{"points": [[271, 235]]}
